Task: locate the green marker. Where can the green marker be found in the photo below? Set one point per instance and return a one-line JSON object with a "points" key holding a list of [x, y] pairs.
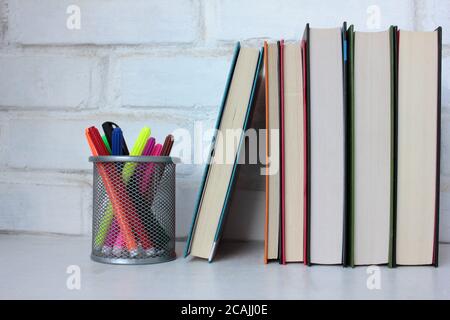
{"points": [[105, 223], [138, 147], [105, 141]]}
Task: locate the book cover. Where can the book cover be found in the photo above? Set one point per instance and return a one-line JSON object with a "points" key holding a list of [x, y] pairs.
{"points": [[232, 182], [394, 100], [213, 141], [352, 146], [266, 84], [326, 165], [272, 122], [346, 144], [282, 221], [418, 147], [438, 150]]}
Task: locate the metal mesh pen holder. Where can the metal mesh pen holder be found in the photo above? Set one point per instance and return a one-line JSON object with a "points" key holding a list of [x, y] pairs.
{"points": [[133, 210]]}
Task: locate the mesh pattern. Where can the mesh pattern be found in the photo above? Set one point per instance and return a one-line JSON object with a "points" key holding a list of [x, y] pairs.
{"points": [[134, 212]]}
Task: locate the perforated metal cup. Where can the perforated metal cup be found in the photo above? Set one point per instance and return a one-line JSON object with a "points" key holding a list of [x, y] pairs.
{"points": [[133, 209]]}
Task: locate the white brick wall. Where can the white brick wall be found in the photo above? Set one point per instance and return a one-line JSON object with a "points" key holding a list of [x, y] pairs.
{"points": [[103, 22], [446, 77], [237, 19], [33, 81], [445, 143], [3, 22], [45, 202], [172, 81], [146, 62], [444, 231]]}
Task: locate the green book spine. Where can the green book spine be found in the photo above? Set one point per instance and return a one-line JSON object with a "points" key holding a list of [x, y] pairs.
{"points": [[393, 217]]}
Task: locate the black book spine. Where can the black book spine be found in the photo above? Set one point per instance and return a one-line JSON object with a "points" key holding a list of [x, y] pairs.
{"points": [[438, 150]]}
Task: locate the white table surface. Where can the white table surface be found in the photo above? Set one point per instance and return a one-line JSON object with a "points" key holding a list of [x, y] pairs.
{"points": [[34, 267]]}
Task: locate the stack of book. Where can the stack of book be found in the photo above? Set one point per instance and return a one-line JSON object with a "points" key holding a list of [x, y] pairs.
{"points": [[353, 120]]}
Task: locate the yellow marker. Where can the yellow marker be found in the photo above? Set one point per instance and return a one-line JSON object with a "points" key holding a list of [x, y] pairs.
{"points": [[138, 147]]}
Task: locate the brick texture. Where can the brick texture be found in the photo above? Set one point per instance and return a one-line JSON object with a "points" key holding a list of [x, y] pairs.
{"points": [[37, 202], [34, 81], [172, 81], [234, 19], [103, 22]]}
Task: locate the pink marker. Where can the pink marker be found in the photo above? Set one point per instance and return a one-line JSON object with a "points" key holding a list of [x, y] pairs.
{"points": [[111, 237], [146, 178], [119, 245], [147, 152], [149, 147]]}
